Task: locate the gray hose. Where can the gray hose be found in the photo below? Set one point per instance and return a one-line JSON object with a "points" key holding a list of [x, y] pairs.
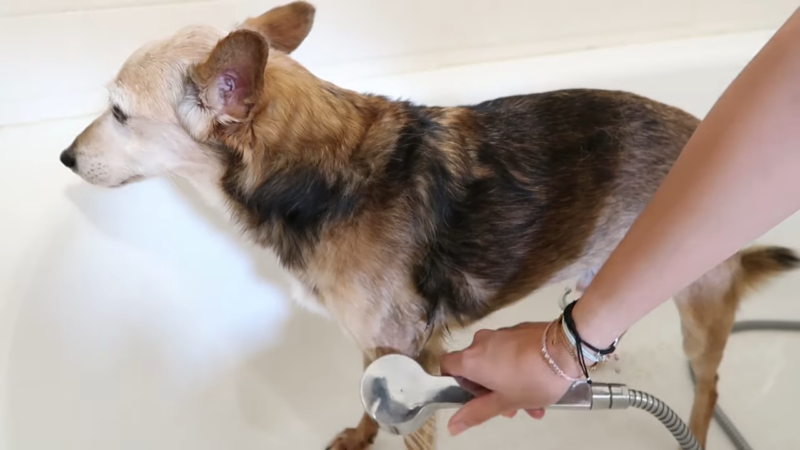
{"points": [[667, 416], [724, 421]]}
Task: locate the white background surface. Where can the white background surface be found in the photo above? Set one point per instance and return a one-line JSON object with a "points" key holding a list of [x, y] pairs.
{"points": [[57, 55], [136, 319]]}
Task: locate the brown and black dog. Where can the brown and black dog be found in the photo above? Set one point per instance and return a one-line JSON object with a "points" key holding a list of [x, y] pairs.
{"points": [[402, 220]]}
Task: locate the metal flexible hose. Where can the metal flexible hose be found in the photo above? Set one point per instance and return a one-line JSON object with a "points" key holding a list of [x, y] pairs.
{"points": [[667, 416]]}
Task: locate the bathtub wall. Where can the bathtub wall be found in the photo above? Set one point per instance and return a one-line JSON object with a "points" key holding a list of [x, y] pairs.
{"points": [[57, 54]]}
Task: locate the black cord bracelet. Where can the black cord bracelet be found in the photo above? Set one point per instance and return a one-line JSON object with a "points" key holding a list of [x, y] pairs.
{"points": [[580, 343], [574, 330]]}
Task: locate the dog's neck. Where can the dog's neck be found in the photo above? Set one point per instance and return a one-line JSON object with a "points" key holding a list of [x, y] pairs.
{"points": [[315, 156], [302, 164]]}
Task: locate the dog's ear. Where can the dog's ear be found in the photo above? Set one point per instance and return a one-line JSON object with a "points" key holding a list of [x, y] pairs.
{"points": [[285, 27], [231, 80]]}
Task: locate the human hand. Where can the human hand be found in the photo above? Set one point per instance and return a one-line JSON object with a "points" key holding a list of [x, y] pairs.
{"points": [[509, 363]]}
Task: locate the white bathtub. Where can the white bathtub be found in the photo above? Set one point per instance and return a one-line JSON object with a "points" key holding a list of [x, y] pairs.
{"points": [[136, 319]]}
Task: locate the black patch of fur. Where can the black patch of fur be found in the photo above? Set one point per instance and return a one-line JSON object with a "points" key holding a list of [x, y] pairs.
{"points": [[294, 204], [785, 258], [416, 167], [406, 153], [302, 199], [443, 192]]}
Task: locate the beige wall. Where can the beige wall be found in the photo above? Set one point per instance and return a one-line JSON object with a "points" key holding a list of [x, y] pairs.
{"points": [[61, 52]]}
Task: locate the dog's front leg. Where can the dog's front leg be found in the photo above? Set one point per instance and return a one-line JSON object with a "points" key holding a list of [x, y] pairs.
{"points": [[363, 435]]}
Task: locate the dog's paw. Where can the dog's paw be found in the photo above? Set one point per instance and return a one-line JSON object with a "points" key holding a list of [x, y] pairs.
{"points": [[351, 439]]}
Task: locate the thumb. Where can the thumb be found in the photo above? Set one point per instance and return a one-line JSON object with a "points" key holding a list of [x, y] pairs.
{"points": [[452, 364], [476, 412]]}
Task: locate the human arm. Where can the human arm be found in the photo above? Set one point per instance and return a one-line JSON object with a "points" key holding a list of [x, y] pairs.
{"points": [[737, 177]]}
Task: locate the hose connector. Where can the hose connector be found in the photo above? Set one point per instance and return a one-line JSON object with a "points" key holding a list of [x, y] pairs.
{"points": [[583, 395]]}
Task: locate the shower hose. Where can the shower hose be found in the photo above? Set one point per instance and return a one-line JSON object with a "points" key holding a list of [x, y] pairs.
{"points": [[600, 396], [676, 426], [667, 416]]}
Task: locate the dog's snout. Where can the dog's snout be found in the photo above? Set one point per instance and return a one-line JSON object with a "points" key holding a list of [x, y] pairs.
{"points": [[68, 157]]}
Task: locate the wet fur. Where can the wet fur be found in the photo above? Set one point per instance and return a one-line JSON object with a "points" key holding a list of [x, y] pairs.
{"points": [[485, 203], [398, 219]]}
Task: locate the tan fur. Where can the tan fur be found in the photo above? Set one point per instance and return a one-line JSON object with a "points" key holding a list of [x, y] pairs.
{"points": [[359, 181], [708, 310]]}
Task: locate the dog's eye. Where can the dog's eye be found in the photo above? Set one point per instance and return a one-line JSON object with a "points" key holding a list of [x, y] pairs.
{"points": [[119, 115]]}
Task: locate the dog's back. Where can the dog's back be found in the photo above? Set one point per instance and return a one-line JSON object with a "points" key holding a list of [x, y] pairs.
{"points": [[554, 181]]}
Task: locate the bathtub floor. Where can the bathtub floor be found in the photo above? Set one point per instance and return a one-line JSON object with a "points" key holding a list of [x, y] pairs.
{"points": [[119, 332]]}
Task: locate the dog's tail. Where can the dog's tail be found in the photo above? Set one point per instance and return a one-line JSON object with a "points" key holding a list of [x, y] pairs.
{"points": [[708, 311], [760, 264]]}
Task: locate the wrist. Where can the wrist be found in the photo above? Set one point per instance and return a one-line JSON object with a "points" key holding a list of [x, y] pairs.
{"points": [[565, 353], [561, 353], [593, 326]]}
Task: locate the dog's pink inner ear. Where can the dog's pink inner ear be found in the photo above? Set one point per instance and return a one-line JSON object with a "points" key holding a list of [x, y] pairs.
{"points": [[233, 91], [233, 76]]}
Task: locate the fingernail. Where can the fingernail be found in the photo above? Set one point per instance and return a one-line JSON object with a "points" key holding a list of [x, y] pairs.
{"points": [[457, 428]]}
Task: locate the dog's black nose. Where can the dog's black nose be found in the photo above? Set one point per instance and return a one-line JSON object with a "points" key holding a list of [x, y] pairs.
{"points": [[68, 158]]}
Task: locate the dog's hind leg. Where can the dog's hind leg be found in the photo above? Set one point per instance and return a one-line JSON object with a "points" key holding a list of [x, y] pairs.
{"points": [[708, 308], [706, 321]]}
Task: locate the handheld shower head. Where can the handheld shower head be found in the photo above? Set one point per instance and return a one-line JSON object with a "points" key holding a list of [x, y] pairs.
{"points": [[400, 396]]}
